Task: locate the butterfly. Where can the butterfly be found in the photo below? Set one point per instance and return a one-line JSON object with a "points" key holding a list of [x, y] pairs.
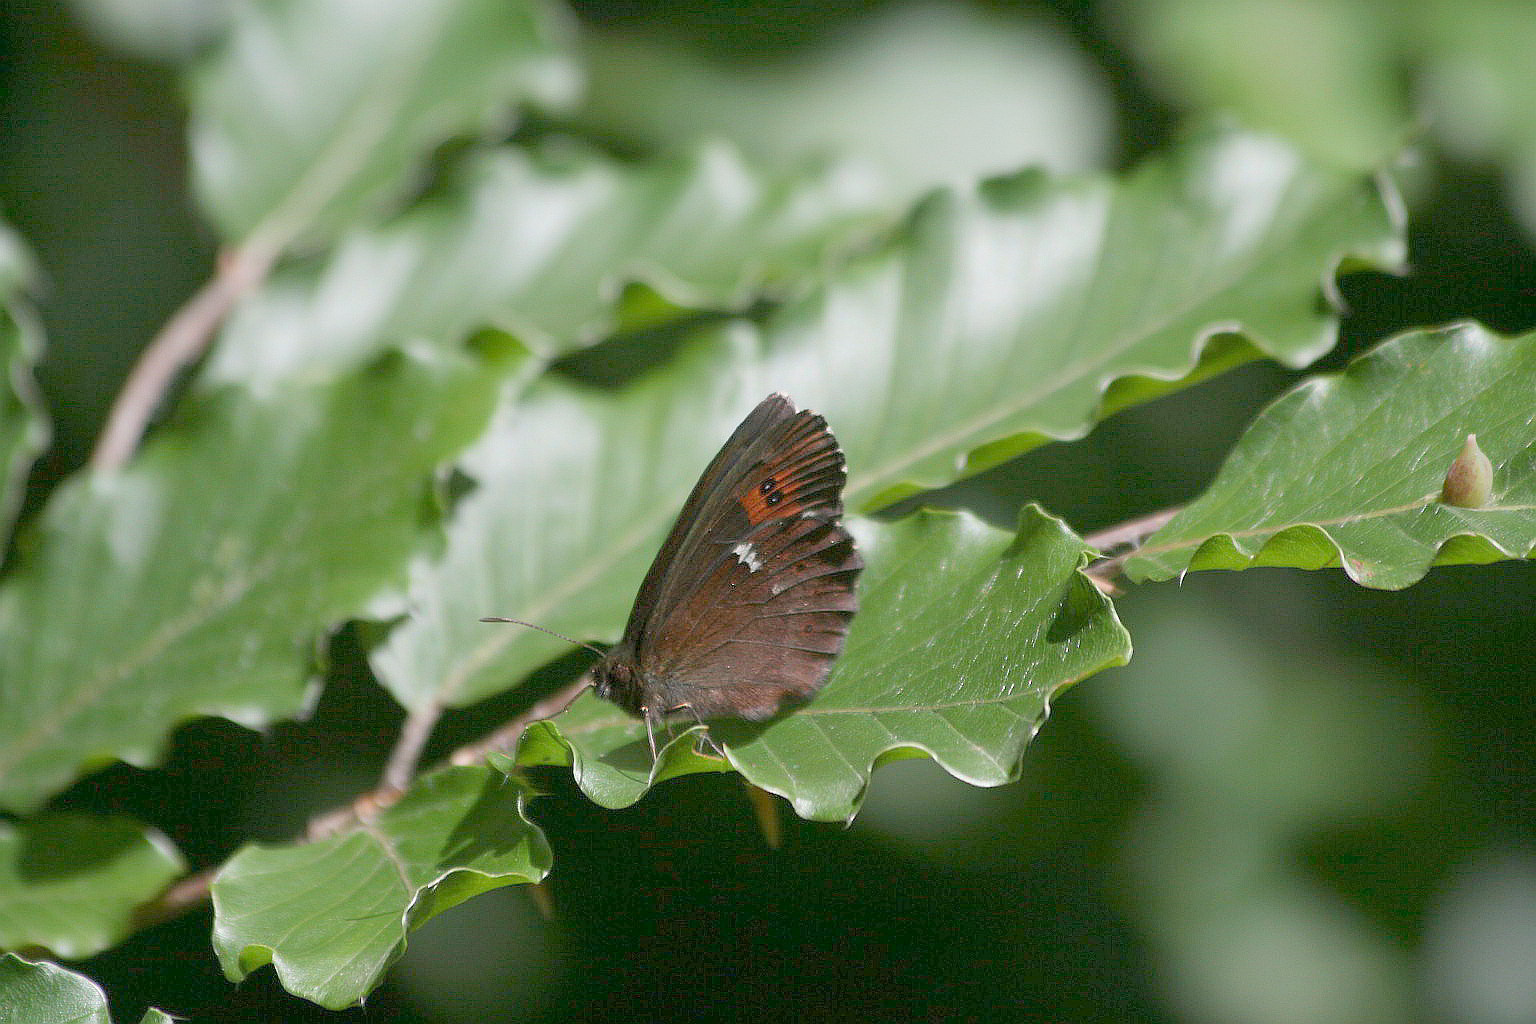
{"points": [[750, 598]]}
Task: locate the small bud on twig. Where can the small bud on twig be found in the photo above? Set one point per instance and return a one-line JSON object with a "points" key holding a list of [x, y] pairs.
{"points": [[1469, 481]]}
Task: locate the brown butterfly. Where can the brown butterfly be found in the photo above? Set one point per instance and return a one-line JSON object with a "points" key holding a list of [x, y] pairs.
{"points": [[749, 600]]}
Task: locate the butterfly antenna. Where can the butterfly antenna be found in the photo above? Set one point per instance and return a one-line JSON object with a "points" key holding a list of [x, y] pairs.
{"points": [[568, 639]]}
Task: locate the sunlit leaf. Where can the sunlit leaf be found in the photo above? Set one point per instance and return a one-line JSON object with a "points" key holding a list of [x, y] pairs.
{"points": [[543, 246], [331, 916], [1347, 470], [43, 993], [964, 634], [314, 113], [70, 883], [197, 580], [996, 320]]}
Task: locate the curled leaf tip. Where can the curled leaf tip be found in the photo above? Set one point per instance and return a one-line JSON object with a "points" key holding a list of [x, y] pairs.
{"points": [[1469, 481]]}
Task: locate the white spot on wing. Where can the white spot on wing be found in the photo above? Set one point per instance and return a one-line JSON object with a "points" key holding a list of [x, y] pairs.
{"points": [[747, 555]]}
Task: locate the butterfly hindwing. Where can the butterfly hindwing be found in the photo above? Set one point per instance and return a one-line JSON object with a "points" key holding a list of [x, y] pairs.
{"points": [[765, 625]]}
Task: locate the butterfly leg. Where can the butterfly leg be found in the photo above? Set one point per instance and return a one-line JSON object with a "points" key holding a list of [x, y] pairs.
{"points": [[650, 729], [708, 739]]}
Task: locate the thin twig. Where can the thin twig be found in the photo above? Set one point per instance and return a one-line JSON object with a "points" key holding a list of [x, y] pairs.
{"points": [[401, 766], [1127, 536], [1132, 531], [182, 898], [184, 337], [504, 740], [192, 892]]}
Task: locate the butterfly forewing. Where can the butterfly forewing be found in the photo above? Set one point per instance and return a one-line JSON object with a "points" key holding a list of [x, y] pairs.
{"points": [[749, 599], [773, 410], [792, 466]]}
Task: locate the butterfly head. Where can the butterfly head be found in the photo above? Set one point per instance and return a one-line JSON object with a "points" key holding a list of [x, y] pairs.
{"points": [[617, 678]]}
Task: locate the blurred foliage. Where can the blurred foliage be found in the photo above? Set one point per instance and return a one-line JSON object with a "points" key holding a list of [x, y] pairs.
{"points": [[71, 883], [1351, 79], [1303, 801], [923, 94]]}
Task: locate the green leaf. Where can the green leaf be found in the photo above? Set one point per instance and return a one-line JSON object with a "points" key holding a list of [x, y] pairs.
{"points": [[995, 320], [543, 247], [44, 993], [927, 94], [331, 916], [1346, 470], [609, 759], [317, 113], [69, 883], [964, 635], [23, 426], [199, 578], [1035, 296]]}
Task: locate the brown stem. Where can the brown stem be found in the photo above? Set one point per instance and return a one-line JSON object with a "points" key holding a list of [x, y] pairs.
{"points": [[192, 892], [1129, 535], [504, 739], [401, 767], [184, 337], [182, 898], [1132, 531]]}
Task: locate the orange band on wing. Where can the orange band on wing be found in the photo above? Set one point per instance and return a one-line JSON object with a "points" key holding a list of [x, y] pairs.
{"points": [[767, 500]]}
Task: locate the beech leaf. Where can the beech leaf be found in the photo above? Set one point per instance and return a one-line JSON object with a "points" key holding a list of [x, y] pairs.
{"points": [[331, 916], [1347, 470]]}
